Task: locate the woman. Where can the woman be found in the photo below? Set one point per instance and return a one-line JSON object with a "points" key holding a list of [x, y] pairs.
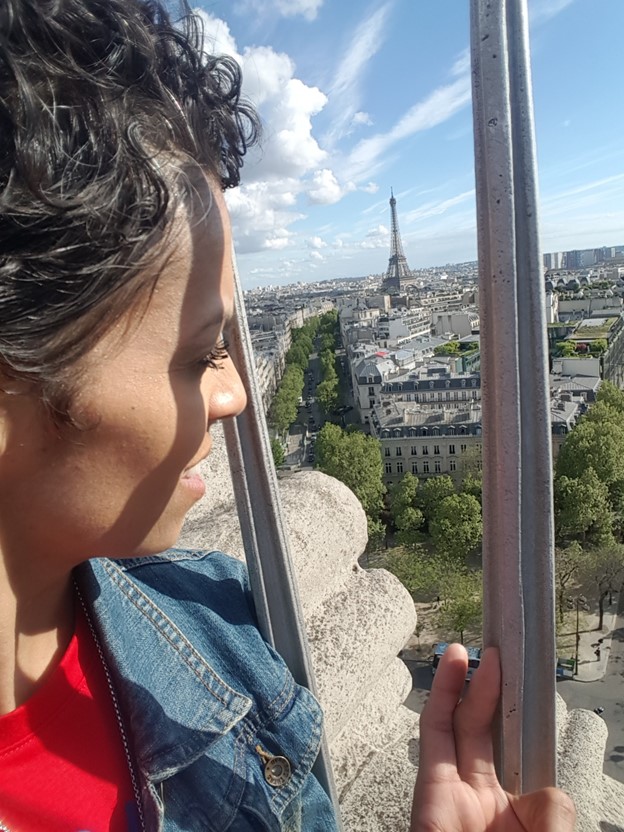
{"points": [[135, 690]]}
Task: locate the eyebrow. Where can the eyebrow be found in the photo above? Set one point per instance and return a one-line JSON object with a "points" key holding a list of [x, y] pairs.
{"points": [[212, 324]]}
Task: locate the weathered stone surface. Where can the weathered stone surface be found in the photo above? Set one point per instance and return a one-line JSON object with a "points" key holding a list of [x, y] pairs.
{"points": [[357, 622], [354, 636]]}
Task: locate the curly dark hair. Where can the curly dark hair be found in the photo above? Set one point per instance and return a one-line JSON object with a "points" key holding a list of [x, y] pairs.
{"points": [[93, 93]]}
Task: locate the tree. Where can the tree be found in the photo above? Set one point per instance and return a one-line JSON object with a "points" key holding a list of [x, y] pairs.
{"points": [[462, 602], [422, 574], [570, 564], [612, 396], [456, 528], [277, 449], [566, 349], [376, 537], [406, 517], [605, 569], [355, 460], [431, 493], [596, 442], [327, 394], [582, 508], [450, 348]]}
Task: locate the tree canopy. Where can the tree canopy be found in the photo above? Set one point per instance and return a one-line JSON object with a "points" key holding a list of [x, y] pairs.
{"points": [[456, 527], [355, 460]]}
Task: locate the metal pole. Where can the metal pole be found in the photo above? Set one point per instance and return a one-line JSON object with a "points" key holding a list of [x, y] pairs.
{"points": [[265, 538], [517, 495]]}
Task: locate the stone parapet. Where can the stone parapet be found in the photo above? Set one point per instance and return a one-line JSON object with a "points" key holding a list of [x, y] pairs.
{"points": [[357, 621]]}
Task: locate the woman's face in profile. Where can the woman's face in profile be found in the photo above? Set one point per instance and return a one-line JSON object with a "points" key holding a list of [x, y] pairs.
{"points": [[152, 388]]}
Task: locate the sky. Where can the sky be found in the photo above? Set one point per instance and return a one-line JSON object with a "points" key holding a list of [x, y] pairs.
{"points": [[361, 96]]}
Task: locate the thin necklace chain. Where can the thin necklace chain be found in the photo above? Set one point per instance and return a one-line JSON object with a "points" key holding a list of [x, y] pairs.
{"points": [[122, 730]]}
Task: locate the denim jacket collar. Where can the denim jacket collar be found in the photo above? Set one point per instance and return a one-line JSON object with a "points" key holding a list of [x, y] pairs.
{"points": [[167, 735]]}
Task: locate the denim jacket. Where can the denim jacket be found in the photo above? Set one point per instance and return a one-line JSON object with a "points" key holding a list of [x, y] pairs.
{"points": [[205, 700]]}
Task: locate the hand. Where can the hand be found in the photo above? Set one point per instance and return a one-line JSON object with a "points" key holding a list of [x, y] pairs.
{"points": [[457, 789]]}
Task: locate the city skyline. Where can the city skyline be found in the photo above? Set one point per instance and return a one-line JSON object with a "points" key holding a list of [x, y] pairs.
{"points": [[357, 99]]}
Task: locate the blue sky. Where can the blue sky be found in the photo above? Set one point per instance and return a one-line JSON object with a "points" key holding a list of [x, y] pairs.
{"points": [[358, 97]]}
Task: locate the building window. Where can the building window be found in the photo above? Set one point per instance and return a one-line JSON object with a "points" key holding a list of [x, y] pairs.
{"points": [[399, 451], [455, 395], [388, 467], [371, 403], [447, 383], [451, 449], [462, 448], [408, 397], [425, 450], [463, 382], [475, 394], [436, 466], [463, 395], [426, 466], [414, 450], [431, 385], [436, 450], [448, 395], [431, 396], [440, 396], [371, 391], [414, 467], [386, 451], [399, 467], [452, 465]]}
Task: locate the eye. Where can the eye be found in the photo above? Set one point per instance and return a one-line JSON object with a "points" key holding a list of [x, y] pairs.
{"points": [[216, 356]]}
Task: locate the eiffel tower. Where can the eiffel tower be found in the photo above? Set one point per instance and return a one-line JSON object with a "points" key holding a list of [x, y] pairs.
{"points": [[398, 270]]}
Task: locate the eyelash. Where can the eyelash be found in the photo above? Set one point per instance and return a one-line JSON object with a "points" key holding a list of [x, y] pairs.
{"points": [[216, 356]]}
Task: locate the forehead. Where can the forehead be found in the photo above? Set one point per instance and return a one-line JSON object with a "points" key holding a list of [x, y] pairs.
{"points": [[192, 280]]}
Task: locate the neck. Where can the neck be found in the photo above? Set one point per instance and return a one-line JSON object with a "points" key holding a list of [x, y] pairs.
{"points": [[36, 625]]}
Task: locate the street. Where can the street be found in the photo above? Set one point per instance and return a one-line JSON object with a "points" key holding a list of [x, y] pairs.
{"points": [[607, 693]]}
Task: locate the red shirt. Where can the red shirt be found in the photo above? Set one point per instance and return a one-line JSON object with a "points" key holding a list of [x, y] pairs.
{"points": [[63, 767]]}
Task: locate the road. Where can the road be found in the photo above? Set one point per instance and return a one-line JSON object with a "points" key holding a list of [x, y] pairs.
{"points": [[607, 693]]}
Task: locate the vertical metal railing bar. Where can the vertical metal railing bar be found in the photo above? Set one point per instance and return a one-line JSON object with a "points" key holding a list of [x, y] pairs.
{"points": [[539, 732], [265, 538], [503, 610]]}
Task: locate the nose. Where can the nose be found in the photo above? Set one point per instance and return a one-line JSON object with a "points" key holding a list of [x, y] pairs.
{"points": [[227, 396]]}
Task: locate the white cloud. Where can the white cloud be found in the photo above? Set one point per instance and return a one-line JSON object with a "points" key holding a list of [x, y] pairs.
{"points": [[439, 106], [344, 92], [432, 209], [378, 237], [275, 172], [308, 9], [325, 188], [316, 242], [361, 118], [316, 255], [542, 10], [370, 188]]}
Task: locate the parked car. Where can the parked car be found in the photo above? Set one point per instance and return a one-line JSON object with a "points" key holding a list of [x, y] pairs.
{"points": [[474, 658]]}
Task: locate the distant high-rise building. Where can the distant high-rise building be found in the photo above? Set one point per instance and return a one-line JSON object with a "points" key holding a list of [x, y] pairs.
{"points": [[398, 271]]}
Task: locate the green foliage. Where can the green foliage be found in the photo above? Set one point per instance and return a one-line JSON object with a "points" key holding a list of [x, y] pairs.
{"points": [[277, 449], [355, 460], [450, 348], [599, 346], [456, 528], [596, 442], [582, 508], [376, 536], [420, 573], [605, 570], [327, 395], [612, 396], [461, 602], [431, 493], [283, 410], [570, 564], [473, 484], [565, 349], [406, 517]]}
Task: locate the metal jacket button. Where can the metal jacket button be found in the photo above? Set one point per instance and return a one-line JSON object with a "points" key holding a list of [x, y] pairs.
{"points": [[277, 771]]}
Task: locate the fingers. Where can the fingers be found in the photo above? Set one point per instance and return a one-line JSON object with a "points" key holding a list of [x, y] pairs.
{"points": [[549, 810], [473, 723], [437, 739]]}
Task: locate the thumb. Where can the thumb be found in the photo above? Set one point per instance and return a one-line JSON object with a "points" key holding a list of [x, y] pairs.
{"points": [[548, 810]]}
